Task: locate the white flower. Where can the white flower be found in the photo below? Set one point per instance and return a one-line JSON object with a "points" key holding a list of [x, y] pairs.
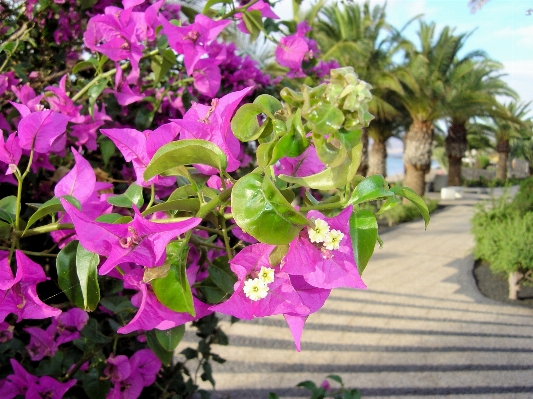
{"points": [[318, 234], [255, 289], [333, 239], [266, 275]]}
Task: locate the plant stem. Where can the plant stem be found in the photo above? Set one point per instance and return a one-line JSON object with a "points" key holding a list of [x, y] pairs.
{"points": [[47, 229], [237, 10], [31, 253], [152, 196], [206, 208], [108, 74]]}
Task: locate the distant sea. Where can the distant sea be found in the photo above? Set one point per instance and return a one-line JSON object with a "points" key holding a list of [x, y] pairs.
{"points": [[395, 165]]}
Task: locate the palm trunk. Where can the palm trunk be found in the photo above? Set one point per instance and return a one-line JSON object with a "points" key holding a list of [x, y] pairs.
{"points": [[377, 162], [363, 166], [456, 145], [503, 148], [417, 155]]}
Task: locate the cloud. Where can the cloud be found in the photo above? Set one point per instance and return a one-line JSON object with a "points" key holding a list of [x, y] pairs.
{"points": [[520, 78], [519, 36]]}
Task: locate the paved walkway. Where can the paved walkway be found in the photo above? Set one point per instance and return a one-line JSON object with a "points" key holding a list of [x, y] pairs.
{"points": [[421, 330]]}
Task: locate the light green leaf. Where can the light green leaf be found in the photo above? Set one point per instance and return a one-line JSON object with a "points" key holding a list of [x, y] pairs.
{"points": [[371, 188], [364, 233], [254, 23], [409, 194], [211, 3], [187, 204], [86, 269], [326, 119], [50, 207], [390, 203], [132, 196], [269, 104], [83, 65], [173, 290], [330, 178], [185, 152], [262, 211], [109, 218], [245, 125]]}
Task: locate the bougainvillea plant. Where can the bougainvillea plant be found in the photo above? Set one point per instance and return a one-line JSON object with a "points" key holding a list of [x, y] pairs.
{"points": [[153, 176]]}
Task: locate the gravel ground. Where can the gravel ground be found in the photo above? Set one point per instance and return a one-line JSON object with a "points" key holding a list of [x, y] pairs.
{"points": [[495, 286]]}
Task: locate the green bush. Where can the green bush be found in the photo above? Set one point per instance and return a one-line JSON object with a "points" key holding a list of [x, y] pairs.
{"points": [[483, 161], [523, 200], [503, 236]]}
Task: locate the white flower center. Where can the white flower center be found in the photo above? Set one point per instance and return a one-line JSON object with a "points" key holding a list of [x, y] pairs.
{"points": [[318, 234], [255, 289]]}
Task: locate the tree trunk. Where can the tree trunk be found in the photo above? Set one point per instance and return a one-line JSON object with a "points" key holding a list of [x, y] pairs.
{"points": [[503, 148], [456, 145], [377, 162], [417, 155], [363, 166]]}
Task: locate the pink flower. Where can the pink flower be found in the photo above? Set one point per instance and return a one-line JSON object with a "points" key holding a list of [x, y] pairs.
{"points": [[19, 293], [152, 314], [212, 123], [323, 265], [139, 148], [140, 241], [10, 152], [279, 297]]}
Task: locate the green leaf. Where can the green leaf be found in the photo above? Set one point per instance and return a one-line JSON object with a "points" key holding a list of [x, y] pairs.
{"points": [[310, 385], [85, 5], [187, 204], [5, 230], [330, 178], [162, 63], [273, 395], [183, 192], [94, 386], [335, 377], [254, 22], [173, 290], [87, 272], [185, 152], [218, 286], [83, 65], [211, 3], [67, 275], [50, 207], [364, 233], [169, 339], [390, 203], [164, 355], [109, 218], [94, 92], [245, 125], [107, 148], [372, 188], [8, 209], [326, 119], [132, 196], [409, 194], [261, 210], [269, 104]]}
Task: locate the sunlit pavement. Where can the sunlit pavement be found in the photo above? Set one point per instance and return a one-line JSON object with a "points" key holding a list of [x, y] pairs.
{"points": [[421, 330]]}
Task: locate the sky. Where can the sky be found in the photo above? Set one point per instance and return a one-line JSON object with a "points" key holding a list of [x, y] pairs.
{"points": [[501, 28]]}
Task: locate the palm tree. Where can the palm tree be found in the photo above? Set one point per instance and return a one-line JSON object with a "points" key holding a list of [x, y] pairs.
{"points": [[353, 35], [506, 128], [471, 90], [424, 78]]}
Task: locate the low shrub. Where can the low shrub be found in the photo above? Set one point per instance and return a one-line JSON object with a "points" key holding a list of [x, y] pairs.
{"points": [[503, 235], [523, 200]]}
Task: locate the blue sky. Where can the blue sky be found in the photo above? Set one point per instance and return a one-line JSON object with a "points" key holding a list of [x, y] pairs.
{"points": [[502, 29]]}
